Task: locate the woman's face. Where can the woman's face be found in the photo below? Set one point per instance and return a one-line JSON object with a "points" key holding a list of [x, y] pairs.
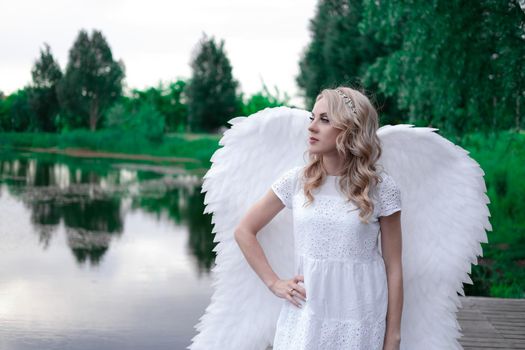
{"points": [[322, 130]]}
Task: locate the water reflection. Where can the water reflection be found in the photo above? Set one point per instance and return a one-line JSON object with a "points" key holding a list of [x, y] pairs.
{"points": [[87, 197], [186, 209], [90, 227], [100, 254]]}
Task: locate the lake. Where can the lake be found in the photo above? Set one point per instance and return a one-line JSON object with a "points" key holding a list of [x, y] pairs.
{"points": [[100, 254]]}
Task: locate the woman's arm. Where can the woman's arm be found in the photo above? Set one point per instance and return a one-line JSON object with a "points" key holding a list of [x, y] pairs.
{"points": [[391, 250], [260, 214]]}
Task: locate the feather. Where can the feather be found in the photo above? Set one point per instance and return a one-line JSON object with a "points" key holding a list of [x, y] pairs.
{"points": [[444, 217], [256, 150]]}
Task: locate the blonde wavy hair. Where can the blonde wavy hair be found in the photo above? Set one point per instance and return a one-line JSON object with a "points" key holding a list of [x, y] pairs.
{"points": [[357, 143]]}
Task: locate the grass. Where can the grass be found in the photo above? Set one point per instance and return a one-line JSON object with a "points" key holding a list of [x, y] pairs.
{"points": [[196, 146]]}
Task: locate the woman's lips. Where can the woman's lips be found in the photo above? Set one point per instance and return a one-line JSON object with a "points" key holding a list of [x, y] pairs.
{"points": [[313, 139]]}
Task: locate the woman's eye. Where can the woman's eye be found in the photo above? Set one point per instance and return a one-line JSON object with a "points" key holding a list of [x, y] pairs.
{"points": [[323, 119]]}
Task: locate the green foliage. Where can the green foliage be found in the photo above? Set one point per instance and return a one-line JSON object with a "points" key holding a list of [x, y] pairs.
{"points": [[42, 94], [111, 140], [458, 63], [335, 54], [167, 100], [212, 96], [92, 81], [501, 155], [118, 116], [46, 72], [145, 120], [16, 113], [339, 52], [150, 122], [454, 65], [198, 148], [262, 100], [28, 139], [5, 121]]}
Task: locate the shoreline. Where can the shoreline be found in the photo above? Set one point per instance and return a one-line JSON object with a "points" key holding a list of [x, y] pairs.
{"points": [[86, 153]]}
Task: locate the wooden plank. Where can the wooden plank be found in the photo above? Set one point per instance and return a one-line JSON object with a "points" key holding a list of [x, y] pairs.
{"points": [[492, 323]]}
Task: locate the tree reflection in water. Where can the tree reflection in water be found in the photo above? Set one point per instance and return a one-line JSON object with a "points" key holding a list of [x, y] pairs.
{"points": [[90, 198]]}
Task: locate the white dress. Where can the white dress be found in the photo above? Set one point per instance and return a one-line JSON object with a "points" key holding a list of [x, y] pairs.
{"points": [[344, 272]]}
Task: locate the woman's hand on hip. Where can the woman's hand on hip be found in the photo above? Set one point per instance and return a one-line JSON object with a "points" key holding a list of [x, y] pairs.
{"points": [[283, 289]]}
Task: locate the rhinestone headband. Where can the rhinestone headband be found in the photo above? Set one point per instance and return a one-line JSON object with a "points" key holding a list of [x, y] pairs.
{"points": [[347, 100]]}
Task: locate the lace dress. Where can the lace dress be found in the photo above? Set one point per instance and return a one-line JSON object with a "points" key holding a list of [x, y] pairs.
{"points": [[344, 272]]}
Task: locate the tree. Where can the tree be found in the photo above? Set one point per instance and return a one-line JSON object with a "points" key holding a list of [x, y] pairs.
{"points": [[4, 113], [42, 94], [339, 52], [212, 97], [144, 120], [92, 81], [16, 113], [457, 65], [263, 99], [168, 100]]}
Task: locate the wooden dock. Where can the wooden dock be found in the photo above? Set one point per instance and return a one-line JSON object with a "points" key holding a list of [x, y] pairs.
{"points": [[492, 323]]}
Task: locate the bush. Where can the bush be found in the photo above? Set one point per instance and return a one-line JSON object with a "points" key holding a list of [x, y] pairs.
{"points": [[145, 120], [501, 156]]}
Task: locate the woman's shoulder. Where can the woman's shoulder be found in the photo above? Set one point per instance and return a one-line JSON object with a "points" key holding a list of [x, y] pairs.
{"points": [[384, 176], [290, 175], [386, 181], [286, 184], [388, 194], [294, 171]]}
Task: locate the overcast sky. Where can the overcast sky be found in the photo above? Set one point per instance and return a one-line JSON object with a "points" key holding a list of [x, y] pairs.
{"points": [[155, 38]]}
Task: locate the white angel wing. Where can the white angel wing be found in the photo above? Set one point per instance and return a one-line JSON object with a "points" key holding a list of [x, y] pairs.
{"points": [[444, 218], [256, 150]]}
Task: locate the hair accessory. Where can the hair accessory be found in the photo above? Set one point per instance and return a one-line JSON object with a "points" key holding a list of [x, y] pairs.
{"points": [[348, 100]]}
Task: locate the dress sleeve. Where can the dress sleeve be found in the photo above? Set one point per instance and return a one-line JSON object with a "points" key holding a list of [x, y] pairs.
{"points": [[389, 196], [283, 187]]}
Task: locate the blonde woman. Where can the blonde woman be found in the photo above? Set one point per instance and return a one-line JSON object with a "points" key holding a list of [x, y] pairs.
{"points": [[346, 294], [333, 233]]}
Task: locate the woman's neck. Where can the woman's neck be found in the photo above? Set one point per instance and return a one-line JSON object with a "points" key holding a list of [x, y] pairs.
{"points": [[332, 164]]}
